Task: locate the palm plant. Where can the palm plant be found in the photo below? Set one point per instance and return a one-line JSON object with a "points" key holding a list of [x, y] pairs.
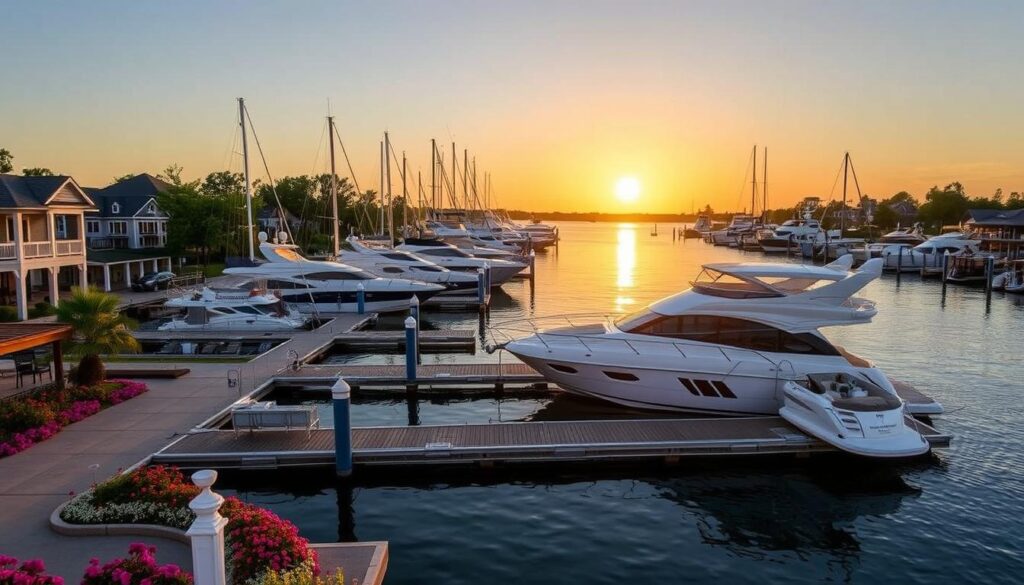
{"points": [[99, 328]]}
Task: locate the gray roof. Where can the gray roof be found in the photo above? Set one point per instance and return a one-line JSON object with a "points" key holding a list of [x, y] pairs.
{"points": [[997, 217], [17, 191], [131, 195]]}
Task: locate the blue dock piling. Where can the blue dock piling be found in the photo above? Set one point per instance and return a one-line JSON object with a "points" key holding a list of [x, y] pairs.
{"points": [[360, 298], [481, 283], [411, 349], [414, 312], [341, 397]]}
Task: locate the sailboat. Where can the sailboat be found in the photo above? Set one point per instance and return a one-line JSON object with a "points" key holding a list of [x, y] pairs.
{"points": [[836, 247], [316, 286]]}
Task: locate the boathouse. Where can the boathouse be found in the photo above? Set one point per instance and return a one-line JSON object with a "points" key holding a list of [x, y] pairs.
{"points": [[1000, 230]]}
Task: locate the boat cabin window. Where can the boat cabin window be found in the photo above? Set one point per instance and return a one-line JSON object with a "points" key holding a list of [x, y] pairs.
{"points": [[247, 310], [428, 268], [719, 284], [447, 253], [340, 275], [224, 311], [392, 270], [729, 331], [397, 256], [284, 284]]}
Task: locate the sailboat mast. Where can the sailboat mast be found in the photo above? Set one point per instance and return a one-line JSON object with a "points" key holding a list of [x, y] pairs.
{"points": [[387, 159], [455, 201], [842, 217], [753, 185], [465, 172], [405, 195], [334, 193], [433, 174], [764, 187], [381, 194], [248, 181]]}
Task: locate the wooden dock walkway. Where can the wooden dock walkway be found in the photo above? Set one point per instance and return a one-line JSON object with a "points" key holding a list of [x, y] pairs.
{"points": [[426, 374], [485, 444], [480, 374], [430, 340]]}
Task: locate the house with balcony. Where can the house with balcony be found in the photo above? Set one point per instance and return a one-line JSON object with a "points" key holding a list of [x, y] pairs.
{"points": [[42, 245], [127, 234]]}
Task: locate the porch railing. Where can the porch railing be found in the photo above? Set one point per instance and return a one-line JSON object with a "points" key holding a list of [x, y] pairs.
{"points": [[8, 251], [37, 249], [69, 247]]}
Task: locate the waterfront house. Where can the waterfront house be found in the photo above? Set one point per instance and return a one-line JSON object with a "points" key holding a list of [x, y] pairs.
{"points": [[1000, 230], [42, 248], [269, 220], [127, 233]]}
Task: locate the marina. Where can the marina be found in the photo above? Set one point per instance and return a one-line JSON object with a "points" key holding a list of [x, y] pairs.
{"points": [[515, 295]]}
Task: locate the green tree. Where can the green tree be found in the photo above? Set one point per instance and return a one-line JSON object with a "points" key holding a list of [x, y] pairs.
{"points": [[99, 328], [172, 174], [944, 206], [6, 161], [885, 217], [37, 172], [123, 178]]}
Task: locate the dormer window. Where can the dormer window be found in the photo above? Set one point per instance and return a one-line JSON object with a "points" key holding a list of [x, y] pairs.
{"points": [[115, 208]]}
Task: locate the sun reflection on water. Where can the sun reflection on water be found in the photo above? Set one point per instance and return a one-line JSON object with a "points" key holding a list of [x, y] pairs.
{"points": [[625, 253]]}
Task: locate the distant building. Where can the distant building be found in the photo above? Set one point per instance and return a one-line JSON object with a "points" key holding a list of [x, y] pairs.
{"points": [[997, 224], [269, 220], [127, 233], [42, 249], [905, 210], [868, 209], [811, 204]]}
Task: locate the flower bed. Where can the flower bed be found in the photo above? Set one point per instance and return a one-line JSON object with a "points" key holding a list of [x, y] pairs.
{"points": [[39, 415], [138, 568], [259, 543]]}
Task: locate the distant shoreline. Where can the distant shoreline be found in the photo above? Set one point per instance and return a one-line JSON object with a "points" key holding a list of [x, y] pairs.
{"points": [[617, 217]]}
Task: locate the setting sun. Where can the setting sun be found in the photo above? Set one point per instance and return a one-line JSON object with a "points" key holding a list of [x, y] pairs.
{"points": [[627, 189]]}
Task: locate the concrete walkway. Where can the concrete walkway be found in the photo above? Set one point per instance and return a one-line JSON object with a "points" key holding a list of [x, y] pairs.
{"points": [[35, 481]]}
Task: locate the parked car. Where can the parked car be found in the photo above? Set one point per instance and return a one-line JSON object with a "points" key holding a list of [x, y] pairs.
{"points": [[153, 281]]}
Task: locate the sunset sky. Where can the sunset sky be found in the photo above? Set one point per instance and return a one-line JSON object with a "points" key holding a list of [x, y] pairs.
{"points": [[559, 100]]}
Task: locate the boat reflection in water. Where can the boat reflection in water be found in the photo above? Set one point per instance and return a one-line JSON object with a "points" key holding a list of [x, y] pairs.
{"points": [[784, 512]]}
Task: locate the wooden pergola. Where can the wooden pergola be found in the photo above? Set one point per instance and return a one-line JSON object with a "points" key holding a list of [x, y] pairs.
{"points": [[15, 337]]}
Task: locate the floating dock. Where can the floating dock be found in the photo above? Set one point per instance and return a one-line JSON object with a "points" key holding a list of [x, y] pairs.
{"points": [[452, 340], [666, 440]]}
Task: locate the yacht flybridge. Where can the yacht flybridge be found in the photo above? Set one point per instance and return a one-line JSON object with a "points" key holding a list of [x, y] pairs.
{"points": [[457, 259], [321, 286], [731, 345]]}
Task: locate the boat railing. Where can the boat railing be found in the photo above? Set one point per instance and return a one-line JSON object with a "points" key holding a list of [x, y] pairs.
{"points": [[505, 332]]}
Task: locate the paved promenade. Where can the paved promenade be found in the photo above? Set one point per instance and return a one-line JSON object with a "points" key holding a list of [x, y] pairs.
{"points": [[35, 481]]}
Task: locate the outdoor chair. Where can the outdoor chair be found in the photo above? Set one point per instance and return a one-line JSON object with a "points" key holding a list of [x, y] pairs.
{"points": [[26, 362]]}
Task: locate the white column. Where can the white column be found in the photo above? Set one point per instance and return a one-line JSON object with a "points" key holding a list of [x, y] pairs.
{"points": [[207, 532], [156, 267], [106, 277], [83, 275], [19, 237], [54, 272], [128, 274], [51, 231], [19, 294]]}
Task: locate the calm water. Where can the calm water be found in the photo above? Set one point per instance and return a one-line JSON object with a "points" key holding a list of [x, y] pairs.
{"points": [[952, 519]]}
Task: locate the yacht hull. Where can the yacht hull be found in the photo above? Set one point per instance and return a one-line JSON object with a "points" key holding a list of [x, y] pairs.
{"points": [[348, 302]]}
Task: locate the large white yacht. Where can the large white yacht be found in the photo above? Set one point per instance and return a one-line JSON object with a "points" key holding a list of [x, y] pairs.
{"points": [[927, 254], [319, 286], [456, 259], [729, 236], [729, 345], [391, 263], [232, 310]]}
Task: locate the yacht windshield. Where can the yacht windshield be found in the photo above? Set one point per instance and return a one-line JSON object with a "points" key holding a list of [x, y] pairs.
{"points": [[794, 285], [633, 320], [720, 284]]}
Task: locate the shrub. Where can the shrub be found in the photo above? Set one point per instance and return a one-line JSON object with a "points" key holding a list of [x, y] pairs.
{"points": [[303, 574], [27, 573], [41, 309], [259, 541], [8, 314], [139, 568], [157, 484], [37, 416]]}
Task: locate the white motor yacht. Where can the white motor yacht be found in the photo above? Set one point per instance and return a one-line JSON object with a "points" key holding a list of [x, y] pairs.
{"points": [[331, 287], [789, 236], [740, 223], [232, 310], [1012, 280], [927, 254], [457, 259], [391, 263], [728, 345]]}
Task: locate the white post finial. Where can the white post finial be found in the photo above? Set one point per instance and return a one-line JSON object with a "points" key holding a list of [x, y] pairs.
{"points": [[207, 532]]}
